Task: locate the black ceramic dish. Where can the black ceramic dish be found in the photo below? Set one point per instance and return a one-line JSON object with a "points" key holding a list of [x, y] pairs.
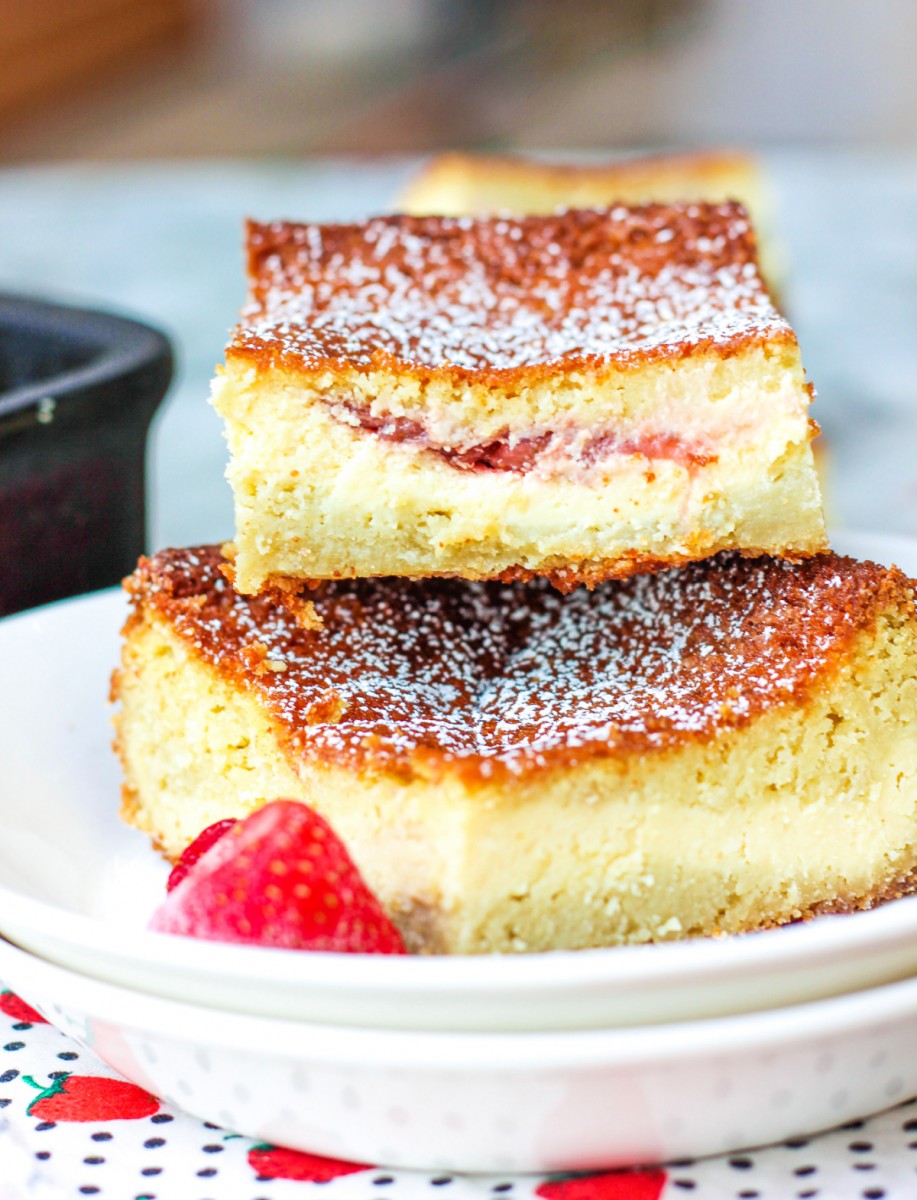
{"points": [[78, 390]]}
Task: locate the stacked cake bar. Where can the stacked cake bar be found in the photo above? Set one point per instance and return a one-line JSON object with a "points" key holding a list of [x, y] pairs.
{"points": [[530, 594], [578, 397]]}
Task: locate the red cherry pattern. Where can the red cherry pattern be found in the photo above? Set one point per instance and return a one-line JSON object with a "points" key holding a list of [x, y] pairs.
{"points": [[273, 1162], [14, 1006], [609, 1185], [90, 1098]]}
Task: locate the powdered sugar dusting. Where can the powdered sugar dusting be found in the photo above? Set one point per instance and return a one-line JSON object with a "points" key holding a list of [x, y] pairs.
{"points": [[582, 287], [508, 678]]}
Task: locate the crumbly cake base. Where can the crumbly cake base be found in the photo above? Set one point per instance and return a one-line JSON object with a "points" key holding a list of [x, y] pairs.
{"points": [[316, 497], [809, 807]]}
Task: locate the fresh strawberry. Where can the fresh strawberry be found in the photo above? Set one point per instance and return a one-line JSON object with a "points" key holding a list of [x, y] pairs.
{"points": [[281, 877], [609, 1185], [273, 1162], [201, 844], [17, 1008], [90, 1098]]}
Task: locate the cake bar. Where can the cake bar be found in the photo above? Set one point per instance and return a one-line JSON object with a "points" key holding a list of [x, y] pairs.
{"points": [[707, 750], [456, 185], [579, 397]]}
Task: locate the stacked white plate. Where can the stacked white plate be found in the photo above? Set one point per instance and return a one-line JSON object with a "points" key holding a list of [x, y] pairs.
{"points": [[537, 1062]]}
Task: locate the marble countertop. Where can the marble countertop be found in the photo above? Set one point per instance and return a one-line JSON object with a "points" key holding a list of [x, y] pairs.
{"points": [[162, 242]]}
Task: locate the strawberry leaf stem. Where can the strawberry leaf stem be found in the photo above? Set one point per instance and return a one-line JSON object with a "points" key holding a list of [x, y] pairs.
{"points": [[56, 1087]]}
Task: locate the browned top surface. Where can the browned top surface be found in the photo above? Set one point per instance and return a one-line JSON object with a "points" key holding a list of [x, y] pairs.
{"points": [[490, 678], [496, 298]]}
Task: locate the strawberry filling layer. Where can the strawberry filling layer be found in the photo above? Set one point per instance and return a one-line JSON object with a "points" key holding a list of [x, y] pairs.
{"points": [[521, 454]]}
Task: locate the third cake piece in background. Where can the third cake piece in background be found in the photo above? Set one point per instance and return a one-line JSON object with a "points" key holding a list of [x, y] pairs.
{"points": [[578, 396], [456, 185], [705, 750]]}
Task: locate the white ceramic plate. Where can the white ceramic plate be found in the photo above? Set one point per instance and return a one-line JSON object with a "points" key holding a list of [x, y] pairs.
{"points": [[498, 1102], [77, 886]]}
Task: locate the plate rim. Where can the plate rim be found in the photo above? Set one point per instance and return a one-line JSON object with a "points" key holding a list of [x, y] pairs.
{"points": [[525, 1051]]}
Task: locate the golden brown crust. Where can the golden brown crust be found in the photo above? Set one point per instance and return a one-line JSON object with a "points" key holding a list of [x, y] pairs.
{"points": [[491, 679], [899, 885], [130, 800], [506, 301], [592, 574], [282, 589], [589, 573]]}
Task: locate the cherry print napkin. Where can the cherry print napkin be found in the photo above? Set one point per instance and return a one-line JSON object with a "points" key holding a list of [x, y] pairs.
{"points": [[71, 1128]]}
